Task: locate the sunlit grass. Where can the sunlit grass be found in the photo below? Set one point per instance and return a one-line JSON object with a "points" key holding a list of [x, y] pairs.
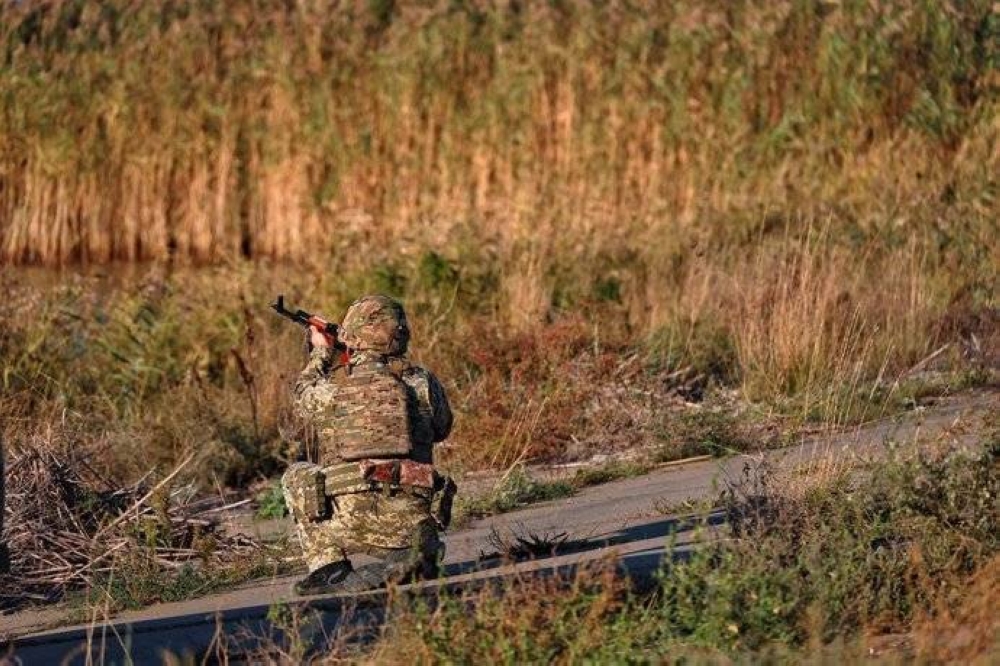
{"points": [[591, 212]]}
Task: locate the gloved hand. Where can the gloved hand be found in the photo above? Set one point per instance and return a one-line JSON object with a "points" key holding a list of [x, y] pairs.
{"points": [[319, 338]]}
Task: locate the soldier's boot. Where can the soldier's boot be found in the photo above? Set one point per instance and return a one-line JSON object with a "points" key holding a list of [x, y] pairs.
{"points": [[430, 563], [405, 565], [326, 579], [396, 566]]}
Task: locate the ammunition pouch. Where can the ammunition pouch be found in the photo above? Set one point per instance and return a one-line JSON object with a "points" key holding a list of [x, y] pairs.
{"points": [[344, 479], [399, 473], [305, 493], [387, 476]]}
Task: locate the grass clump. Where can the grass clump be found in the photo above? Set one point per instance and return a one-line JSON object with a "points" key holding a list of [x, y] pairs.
{"points": [[593, 476], [72, 531], [514, 490], [517, 488], [711, 431], [841, 558]]}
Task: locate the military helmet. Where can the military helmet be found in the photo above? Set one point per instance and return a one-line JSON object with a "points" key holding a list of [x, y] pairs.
{"points": [[376, 323]]}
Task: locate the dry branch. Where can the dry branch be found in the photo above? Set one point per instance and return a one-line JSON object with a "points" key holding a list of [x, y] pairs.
{"points": [[66, 526]]}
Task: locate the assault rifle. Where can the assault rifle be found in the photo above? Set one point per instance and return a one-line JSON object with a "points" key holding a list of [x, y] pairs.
{"points": [[303, 318]]}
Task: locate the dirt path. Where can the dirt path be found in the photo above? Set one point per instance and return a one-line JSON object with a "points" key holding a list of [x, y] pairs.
{"points": [[628, 520]]}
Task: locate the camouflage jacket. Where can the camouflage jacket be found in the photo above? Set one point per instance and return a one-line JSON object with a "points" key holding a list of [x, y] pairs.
{"points": [[430, 420]]}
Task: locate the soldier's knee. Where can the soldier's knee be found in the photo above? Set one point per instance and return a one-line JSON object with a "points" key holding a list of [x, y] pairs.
{"points": [[297, 472]]}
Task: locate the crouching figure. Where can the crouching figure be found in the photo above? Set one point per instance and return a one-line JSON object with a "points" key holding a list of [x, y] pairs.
{"points": [[375, 418]]}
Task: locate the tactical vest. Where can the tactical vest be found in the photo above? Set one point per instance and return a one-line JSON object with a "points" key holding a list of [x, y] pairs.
{"points": [[367, 414]]}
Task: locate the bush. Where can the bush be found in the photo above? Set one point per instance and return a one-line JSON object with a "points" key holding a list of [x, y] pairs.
{"points": [[873, 553], [806, 567]]}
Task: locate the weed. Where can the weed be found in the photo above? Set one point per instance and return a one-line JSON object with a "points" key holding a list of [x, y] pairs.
{"points": [[592, 476], [514, 490], [271, 502], [523, 545], [137, 580], [704, 432]]}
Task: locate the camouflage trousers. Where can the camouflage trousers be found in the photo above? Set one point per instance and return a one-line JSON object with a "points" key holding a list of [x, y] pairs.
{"points": [[369, 521]]}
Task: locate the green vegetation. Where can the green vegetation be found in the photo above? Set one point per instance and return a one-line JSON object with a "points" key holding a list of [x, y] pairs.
{"points": [[271, 502], [590, 210], [514, 490], [810, 564], [613, 224], [517, 489], [140, 581], [716, 432], [593, 476]]}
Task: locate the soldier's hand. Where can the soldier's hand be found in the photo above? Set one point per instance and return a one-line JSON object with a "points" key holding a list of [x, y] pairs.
{"points": [[319, 338]]}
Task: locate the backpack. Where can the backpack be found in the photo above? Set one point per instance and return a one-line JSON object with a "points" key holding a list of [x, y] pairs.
{"points": [[368, 413]]}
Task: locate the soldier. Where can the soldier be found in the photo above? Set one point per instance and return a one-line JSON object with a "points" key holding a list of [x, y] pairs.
{"points": [[375, 418]]}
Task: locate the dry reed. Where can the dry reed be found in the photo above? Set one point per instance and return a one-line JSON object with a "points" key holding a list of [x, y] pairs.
{"points": [[147, 130], [793, 198], [69, 527]]}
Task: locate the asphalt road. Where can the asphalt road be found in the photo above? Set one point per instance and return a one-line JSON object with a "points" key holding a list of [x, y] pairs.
{"points": [[625, 523]]}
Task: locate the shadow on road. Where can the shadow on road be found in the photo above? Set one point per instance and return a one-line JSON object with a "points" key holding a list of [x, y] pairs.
{"points": [[522, 545], [211, 637]]}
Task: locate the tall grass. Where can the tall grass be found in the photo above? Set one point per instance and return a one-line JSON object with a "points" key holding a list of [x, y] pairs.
{"points": [[204, 131], [794, 198]]}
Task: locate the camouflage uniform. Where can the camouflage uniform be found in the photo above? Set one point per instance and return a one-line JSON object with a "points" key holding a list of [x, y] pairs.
{"points": [[337, 511]]}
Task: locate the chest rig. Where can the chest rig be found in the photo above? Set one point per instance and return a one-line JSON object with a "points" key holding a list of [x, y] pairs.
{"points": [[367, 414]]}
